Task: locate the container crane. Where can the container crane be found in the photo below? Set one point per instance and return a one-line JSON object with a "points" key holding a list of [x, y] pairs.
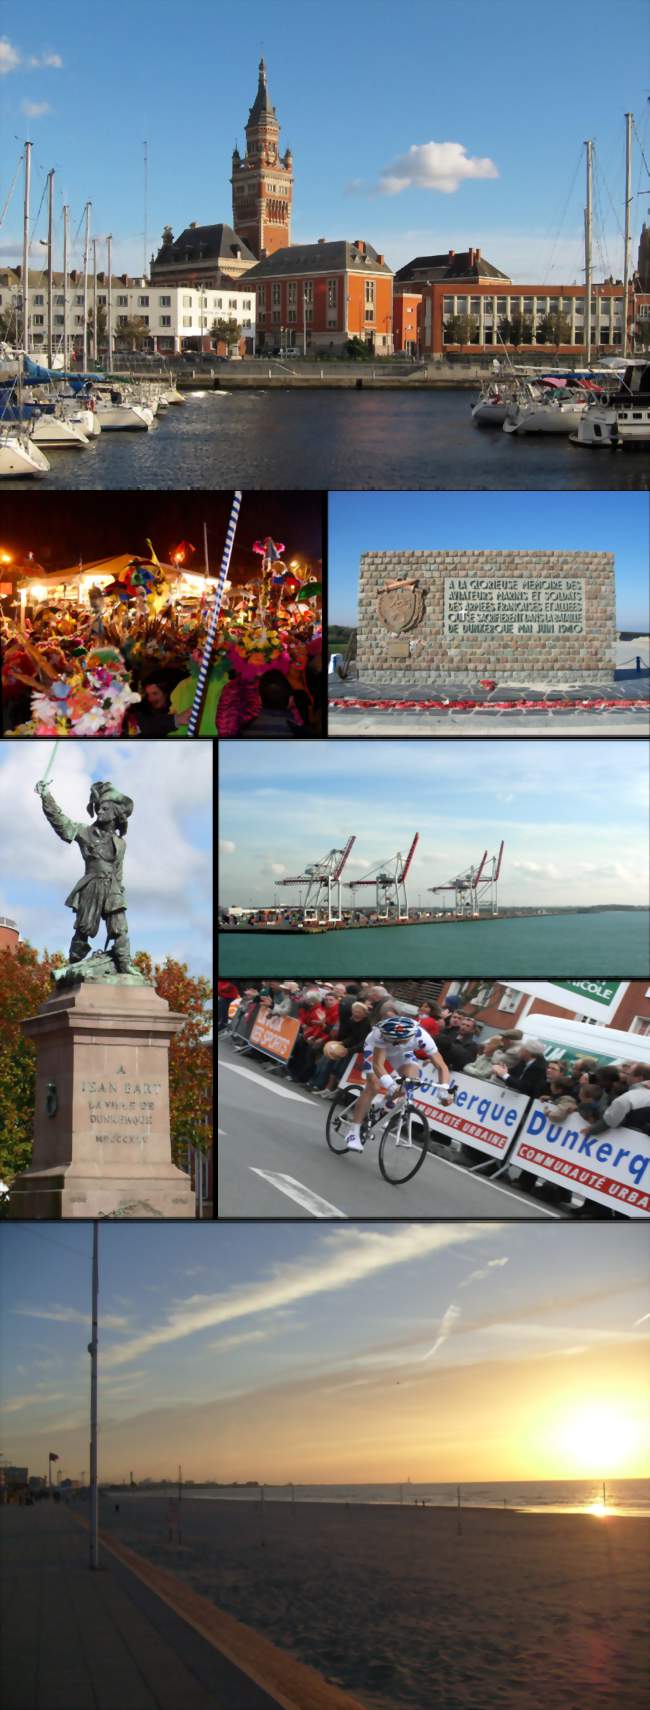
{"points": [[323, 880], [389, 881], [475, 891]]}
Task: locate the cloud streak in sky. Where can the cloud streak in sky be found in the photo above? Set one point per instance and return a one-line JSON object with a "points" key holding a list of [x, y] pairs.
{"points": [[346, 1263], [441, 166]]}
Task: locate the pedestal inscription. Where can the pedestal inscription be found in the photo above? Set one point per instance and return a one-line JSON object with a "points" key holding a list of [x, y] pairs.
{"points": [[514, 605]]}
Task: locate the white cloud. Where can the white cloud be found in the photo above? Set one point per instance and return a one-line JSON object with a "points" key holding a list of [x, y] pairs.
{"points": [[226, 847], [434, 166], [36, 1399], [449, 1319], [51, 60], [349, 1258], [35, 109], [70, 1315], [9, 56], [278, 868]]}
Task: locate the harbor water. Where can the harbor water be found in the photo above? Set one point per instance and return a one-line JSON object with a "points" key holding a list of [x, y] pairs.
{"points": [[338, 439], [568, 946]]}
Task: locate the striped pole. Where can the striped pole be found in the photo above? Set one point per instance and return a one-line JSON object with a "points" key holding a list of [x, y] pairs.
{"points": [[214, 619]]}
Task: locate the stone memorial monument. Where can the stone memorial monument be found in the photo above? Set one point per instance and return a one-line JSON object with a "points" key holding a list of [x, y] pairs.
{"points": [[101, 1123], [516, 617]]}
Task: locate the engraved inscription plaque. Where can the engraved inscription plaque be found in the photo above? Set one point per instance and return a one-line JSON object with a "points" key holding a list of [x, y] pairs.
{"points": [[514, 605]]}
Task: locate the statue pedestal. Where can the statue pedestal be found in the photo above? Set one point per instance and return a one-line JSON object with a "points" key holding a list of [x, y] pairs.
{"points": [[101, 1124]]}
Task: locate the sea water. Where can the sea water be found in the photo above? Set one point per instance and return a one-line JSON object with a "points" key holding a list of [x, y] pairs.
{"points": [[624, 1496], [614, 943], [349, 439]]}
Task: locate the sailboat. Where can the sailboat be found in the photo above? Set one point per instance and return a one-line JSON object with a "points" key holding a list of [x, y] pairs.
{"points": [[624, 417]]}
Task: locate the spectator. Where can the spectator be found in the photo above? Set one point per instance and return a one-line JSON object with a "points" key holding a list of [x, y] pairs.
{"points": [[631, 1109], [337, 1052], [528, 1074], [227, 991], [495, 1053], [459, 1046]]}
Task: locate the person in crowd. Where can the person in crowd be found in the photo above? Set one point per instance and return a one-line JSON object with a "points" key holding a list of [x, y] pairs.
{"points": [[313, 1029], [495, 1053], [631, 1109], [458, 1045], [429, 1017], [227, 991], [558, 1101], [528, 1074], [348, 1039]]}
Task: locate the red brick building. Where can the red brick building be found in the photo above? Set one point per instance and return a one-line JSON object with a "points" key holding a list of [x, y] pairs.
{"points": [[313, 297], [490, 305], [500, 1005], [406, 323], [9, 934]]}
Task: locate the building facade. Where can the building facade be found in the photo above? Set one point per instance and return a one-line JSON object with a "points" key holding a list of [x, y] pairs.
{"points": [[202, 255], [407, 306], [499, 1005], [171, 320], [493, 309], [262, 180], [314, 297]]}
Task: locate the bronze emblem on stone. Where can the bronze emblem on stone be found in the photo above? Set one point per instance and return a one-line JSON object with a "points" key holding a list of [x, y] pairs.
{"points": [[401, 605]]}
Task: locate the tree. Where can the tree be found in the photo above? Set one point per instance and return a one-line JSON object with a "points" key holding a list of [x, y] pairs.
{"points": [[521, 331], [504, 330], [461, 329], [227, 332], [554, 329], [25, 983], [357, 349], [131, 334]]}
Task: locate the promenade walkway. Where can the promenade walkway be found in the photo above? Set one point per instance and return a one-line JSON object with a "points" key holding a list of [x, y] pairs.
{"points": [[73, 1639]]}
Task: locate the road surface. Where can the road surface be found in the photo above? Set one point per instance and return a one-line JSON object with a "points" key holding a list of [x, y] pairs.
{"points": [[273, 1161]]}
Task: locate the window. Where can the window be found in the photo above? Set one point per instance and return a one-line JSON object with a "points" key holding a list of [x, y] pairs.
{"points": [[232, 302], [122, 320], [187, 320], [38, 301], [164, 302], [291, 314], [59, 301], [641, 1024], [292, 290], [527, 305], [102, 300], [332, 293], [187, 302], [143, 319], [58, 320], [143, 302], [219, 302], [78, 320], [501, 305], [510, 1000], [448, 305], [475, 306], [79, 299], [165, 320], [308, 291], [276, 297], [123, 303], [38, 320]]}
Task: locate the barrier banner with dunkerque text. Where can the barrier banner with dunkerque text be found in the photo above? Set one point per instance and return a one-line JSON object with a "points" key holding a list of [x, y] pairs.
{"points": [[483, 1115], [612, 1168]]}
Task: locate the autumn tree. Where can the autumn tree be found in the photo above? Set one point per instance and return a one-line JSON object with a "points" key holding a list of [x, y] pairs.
{"points": [[25, 983]]}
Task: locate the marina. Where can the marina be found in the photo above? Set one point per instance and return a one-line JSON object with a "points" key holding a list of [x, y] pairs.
{"points": [[312, 439]]}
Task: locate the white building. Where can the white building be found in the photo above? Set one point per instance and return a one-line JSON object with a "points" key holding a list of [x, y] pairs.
{"points": [[174, 318]]}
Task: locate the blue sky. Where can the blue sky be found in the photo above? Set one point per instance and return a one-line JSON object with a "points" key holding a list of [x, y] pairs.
{"points": [[314, 1329], [551, 803], [168, 862], [360, 93], [567, 522]]}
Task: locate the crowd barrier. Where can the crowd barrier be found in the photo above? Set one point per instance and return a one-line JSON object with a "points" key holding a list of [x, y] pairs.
{"points": [[613, 1168]]}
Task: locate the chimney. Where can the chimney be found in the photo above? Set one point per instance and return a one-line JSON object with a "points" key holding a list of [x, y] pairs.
{"points": [[452, 253], [360, 245], [380, 259], [192, 225], [322, 240]]}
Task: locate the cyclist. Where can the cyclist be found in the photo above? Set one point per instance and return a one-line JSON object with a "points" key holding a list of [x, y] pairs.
{"points": [[398, 1037]]}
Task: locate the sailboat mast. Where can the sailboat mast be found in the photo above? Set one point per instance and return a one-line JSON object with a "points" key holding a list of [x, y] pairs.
{"points": [[66, 218], [50, 213], [628, 214], [85, 310], [109, 317], [588, 222], [25, 280], [95, 301]]}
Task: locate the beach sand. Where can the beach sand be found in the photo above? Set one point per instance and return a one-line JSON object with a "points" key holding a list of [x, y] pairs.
{"points": [[521, 1611]]}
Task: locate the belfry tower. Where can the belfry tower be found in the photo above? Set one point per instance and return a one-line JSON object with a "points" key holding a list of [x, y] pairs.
{"points": [[262, 183]]}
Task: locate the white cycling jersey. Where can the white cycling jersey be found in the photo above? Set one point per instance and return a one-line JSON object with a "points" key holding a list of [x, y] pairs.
{"points": [[398, 1055]]}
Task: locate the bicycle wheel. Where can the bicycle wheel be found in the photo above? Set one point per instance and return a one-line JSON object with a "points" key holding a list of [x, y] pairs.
{"points": [[403, 1146], [339, 1117]]}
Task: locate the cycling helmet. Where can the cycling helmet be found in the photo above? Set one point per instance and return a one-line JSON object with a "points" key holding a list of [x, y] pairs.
{"points": [[397, 1029]]}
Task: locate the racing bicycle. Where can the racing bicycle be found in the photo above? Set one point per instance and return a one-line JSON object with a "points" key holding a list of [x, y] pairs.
{"points": [[403, 1130]]}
